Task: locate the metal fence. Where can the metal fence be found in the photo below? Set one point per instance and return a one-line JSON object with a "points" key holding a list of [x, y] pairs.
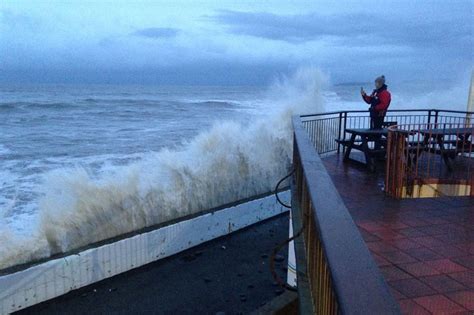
{"points": [[325, 128]]}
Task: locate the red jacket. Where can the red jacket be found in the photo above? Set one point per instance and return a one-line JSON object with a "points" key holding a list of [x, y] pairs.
{"points": [[379, 99]]}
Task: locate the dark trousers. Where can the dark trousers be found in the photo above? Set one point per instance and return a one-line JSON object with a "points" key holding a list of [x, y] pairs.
{"points": [[376, 122]]}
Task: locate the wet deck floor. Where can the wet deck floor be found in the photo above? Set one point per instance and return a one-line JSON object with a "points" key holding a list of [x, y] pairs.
{"points": [[423, 247]]}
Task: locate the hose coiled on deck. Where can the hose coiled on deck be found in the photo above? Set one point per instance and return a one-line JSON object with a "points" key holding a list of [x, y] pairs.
{"points": [[277, 187], [275, 276]]}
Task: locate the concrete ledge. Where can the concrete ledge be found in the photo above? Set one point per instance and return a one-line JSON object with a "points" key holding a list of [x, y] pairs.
{"points": [[59, 276]]}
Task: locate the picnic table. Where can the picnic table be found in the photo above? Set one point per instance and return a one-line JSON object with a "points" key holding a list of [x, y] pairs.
{"points": [[366, 136], [461, 142]]}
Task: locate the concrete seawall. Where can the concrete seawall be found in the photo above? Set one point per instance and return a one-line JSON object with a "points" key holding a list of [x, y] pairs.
{"points": [[56, 277]]}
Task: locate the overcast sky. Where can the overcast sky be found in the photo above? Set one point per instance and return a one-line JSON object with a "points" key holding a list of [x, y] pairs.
{"points": [[232, 42]]}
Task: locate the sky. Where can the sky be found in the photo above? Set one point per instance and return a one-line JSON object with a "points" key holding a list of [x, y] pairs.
{"points": [[233, 42]]}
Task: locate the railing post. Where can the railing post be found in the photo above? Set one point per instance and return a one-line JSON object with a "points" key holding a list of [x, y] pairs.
{"points": [[436, 116], [339, 134], [388, 163], [429, 118], [344, 132]]}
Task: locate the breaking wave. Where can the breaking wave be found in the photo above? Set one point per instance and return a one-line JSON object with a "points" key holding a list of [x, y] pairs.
{"points": [[227, 163]]}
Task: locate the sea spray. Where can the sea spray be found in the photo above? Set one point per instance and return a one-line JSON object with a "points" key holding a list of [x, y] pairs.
{"points": [[16, 249], [227, 163]]}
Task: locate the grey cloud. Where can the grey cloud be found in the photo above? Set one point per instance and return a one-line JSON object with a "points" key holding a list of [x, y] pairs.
{"points": [[352, 29], [292, 28], [156, 32]]}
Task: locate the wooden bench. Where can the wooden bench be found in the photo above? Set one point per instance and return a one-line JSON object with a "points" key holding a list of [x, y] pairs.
{"points": [[362, 144]]}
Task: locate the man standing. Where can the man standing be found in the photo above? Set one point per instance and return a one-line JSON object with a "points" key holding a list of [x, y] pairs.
{"points": [[379, 101]]}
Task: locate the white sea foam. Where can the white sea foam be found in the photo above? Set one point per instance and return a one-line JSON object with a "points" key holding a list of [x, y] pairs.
{"points": [[229, 162], [18, 248]]}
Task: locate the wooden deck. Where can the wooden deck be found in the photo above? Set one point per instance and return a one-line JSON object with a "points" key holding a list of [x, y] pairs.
{"points": [[423, 247]]}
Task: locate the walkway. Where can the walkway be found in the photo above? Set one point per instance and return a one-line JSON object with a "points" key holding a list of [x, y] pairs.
{"points": [[424, 247]]}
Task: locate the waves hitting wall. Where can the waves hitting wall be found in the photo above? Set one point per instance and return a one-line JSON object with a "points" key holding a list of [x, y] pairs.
{"points": [[230, 162]]}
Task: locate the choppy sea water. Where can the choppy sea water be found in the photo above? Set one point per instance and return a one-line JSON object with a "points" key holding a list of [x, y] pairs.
{"points": [[79, 164], [49, 127]]}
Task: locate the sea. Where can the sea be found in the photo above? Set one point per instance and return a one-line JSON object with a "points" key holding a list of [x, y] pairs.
{"points": [[82, 163]]}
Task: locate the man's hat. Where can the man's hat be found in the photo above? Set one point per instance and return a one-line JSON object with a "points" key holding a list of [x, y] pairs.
{"points": [[381, 79]]}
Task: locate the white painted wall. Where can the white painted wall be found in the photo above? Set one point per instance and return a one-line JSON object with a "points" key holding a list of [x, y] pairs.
{"points": [[291, 274]]}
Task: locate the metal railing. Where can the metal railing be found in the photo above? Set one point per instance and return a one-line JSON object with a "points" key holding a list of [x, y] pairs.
{"points": [[336, 272], [328, 130], [430, 160]]}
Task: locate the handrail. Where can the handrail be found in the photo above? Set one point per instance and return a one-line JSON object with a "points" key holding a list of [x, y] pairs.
{"points": [[343, 277], [390, 111]]}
